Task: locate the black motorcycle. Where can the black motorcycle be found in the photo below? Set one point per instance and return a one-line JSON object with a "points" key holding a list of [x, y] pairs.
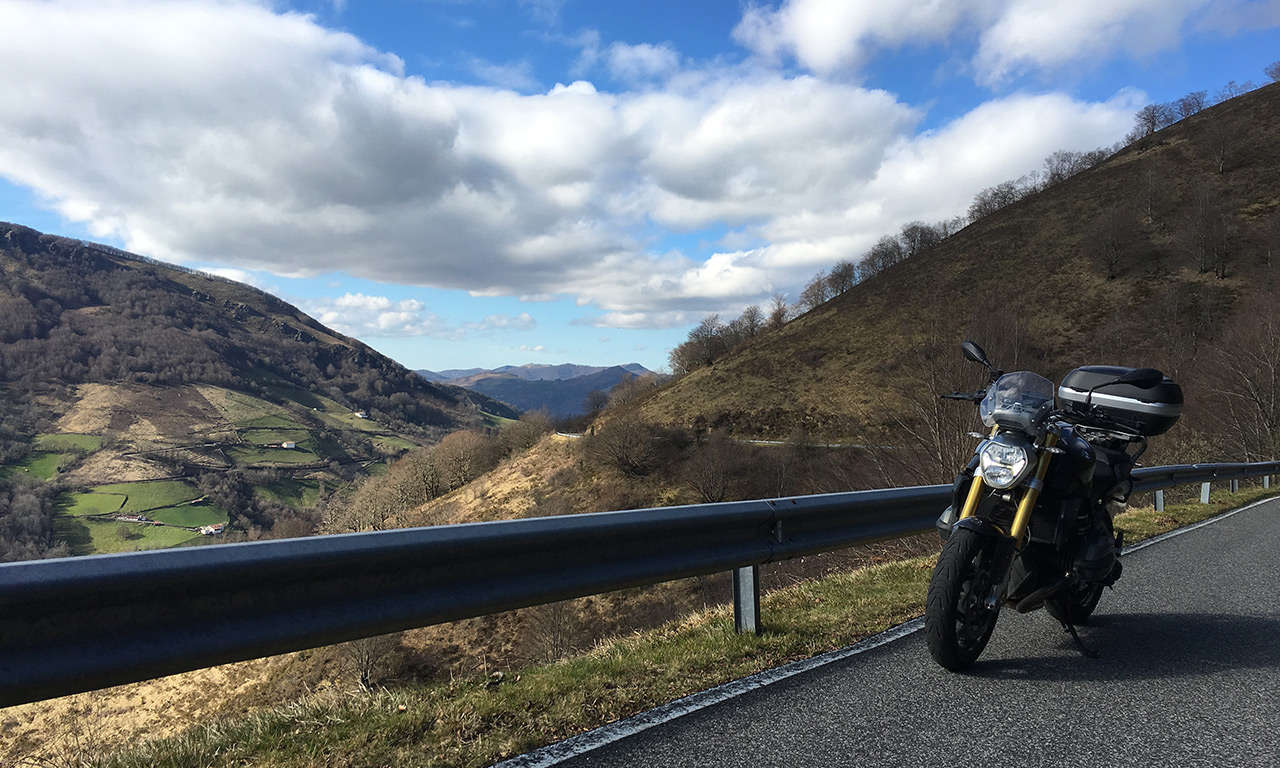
{"points": [[1030, 524]]}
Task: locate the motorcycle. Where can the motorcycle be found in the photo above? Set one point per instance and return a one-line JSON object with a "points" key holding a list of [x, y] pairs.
{"points": [[1030, 523]]}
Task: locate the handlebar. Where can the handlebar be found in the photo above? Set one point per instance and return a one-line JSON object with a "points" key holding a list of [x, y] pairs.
{"points": [[973, 397]]}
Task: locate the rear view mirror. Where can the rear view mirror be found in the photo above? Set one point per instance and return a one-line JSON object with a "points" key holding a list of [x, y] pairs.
{"points": [[975, 353]]}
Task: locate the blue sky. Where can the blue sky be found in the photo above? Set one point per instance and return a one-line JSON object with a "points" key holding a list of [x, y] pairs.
{"points": [[473, 183]]}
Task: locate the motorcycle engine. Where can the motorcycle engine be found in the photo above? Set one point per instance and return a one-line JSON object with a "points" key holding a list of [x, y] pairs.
{"points": [[1094, 559]]}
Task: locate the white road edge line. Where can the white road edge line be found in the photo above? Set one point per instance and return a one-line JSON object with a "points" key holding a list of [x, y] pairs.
{"points": [[607, 734], [552, 754], [1187, 529]]}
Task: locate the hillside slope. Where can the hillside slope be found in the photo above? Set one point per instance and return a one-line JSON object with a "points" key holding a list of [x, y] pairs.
{"points": [[162, 402], [1196, 206]]}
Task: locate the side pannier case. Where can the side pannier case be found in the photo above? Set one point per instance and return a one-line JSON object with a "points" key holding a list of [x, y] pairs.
{"points": [[1148, 411]]}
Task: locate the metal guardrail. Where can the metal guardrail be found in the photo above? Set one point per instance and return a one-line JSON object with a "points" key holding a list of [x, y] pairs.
{"points": [[77, 624]]}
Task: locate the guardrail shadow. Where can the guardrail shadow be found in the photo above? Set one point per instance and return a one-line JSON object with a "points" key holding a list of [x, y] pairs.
{"points": [[1146, 646]]}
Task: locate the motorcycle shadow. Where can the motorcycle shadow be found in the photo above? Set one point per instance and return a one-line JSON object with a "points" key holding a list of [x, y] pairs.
{"points": [[1139, 646]]}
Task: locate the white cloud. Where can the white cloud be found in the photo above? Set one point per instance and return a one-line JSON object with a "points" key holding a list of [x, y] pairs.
{"points": [[1038, 35], [827, 36], [1013, 37], [538, 348], [637, 63], [219, 131], [356, 314]]}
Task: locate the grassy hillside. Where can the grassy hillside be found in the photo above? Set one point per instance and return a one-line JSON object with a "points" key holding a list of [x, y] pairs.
{"points": [[116, 369], [1197, 203]]}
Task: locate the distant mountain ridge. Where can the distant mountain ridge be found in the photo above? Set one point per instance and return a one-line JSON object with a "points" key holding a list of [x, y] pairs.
{"points": [[561, 390], [530, 371]]}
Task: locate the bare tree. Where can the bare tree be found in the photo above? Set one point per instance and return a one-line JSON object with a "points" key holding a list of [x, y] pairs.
{"points": [[887, 251], [596, 400], [752, 321], [930, 432], [917, 236], [1233, 89], [1247, 380], [1110, 237], [816, 293], [844, 275], [369, 658], [1191, 104], [1150, 119], [992, 199], [627, 444], [520, 436], [1202, 217], [711, 469], [463, 456], [1062, 165], [779, 312], [1272, 71]]}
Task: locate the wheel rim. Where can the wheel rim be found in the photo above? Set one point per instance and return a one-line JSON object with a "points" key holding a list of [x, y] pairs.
{"points": [[973, 617]]}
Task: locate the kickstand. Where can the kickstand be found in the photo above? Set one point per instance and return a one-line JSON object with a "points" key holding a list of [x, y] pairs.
{"points": [[1084, 649]]}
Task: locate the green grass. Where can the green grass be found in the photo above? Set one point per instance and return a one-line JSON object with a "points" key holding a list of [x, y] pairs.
{"points": [[190, 516], [294, 493], [473, 722], [392, 441], [273, 421], [62, 443], [152, 494], [244, 454], [493, 421], [276, 436], [36, 464], [81, 504], [106, 539]]}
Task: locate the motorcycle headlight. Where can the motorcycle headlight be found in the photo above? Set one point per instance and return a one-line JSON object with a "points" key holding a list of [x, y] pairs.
{"points": [[1003, 463]]}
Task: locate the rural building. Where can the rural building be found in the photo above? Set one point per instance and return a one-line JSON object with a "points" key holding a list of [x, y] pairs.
{"points": [[288, 444]]}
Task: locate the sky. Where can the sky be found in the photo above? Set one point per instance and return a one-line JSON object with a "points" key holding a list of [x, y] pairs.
{"points": [[475, 183]]}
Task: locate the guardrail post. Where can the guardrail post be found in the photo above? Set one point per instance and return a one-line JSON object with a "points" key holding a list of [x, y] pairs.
{"points": [[1266, 482], [746, 600], [1235, 486], [1160, 501], [1204, 493]]}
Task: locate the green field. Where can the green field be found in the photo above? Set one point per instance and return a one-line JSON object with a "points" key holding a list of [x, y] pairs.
{"points": [[37, 464], [393, 442], [190, 516], [91, 537], [152, 494], [91, 503], [274, 421], [293, 493], [246, 454], [63, 443], [106, 538], [276, 436]]}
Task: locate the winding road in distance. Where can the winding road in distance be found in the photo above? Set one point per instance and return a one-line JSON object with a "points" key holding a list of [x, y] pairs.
{"points": [[1189, 675]]}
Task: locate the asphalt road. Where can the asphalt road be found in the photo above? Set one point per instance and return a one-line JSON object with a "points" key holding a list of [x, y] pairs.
{"points": [[1189, 675]]}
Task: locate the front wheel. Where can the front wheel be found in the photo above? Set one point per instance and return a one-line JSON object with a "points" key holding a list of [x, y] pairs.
{"points": [[957, 620]]}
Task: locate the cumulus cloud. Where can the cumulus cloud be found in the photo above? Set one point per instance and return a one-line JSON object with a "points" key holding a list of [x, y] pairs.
{"points": [[636, 63], [1013, 37], [225, 132], [825, 36], [356, 314]]}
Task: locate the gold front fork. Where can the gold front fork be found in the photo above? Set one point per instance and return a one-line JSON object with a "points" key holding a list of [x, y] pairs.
{"points": [[1023, 517], [975, 489], [1029, 497]]}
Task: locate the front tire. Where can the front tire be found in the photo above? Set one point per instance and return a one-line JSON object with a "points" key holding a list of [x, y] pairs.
{"points": [[957, 621]]}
